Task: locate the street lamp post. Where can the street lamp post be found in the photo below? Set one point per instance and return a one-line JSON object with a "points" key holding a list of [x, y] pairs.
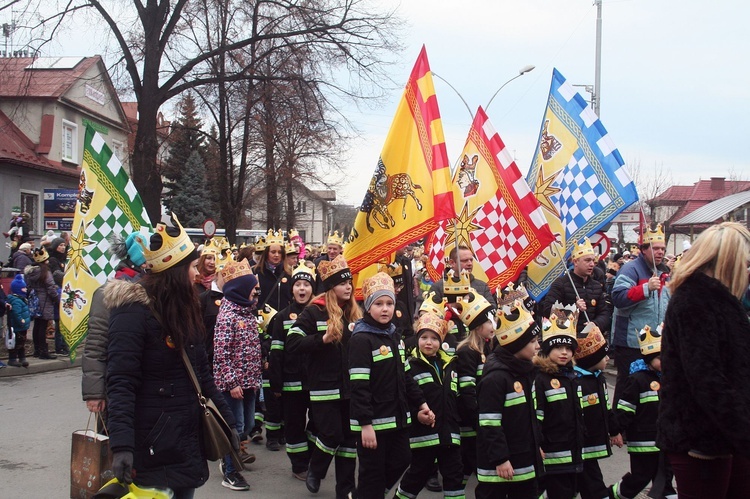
{"points": [[526, 69]]}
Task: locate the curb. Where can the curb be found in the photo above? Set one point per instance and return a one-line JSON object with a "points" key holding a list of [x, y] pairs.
{"points": [[40, 366]]}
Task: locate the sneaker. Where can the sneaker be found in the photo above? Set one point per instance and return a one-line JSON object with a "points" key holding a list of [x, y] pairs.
{"points": [[273, 445], [24, 362], [256, 435], [235, 481], [302, 475], [247, 457]]}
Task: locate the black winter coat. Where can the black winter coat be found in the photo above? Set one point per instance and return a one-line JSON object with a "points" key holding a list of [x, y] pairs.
{"points": [[210, 302], [275, 288], [558, 398], [469, 366], [440, 390], [508, 428], [598, 308], [153, 408], [705, 396], [287, 372], [638, 408], [327, 363], [596, 414]]}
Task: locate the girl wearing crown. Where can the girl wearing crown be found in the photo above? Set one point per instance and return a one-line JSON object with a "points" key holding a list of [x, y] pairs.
{"points": [[559, 406], [322, 333], [476, 314], [382, 393], [39, 279], [275, 285], [288, 374]]}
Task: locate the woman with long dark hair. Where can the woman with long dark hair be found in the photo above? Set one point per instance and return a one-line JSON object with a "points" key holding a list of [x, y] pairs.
{"points": [[39, 278], [154, 413], [275, 282]]}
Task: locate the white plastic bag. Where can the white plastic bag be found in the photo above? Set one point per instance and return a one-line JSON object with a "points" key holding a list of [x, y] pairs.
{"points": [[10, 338]]}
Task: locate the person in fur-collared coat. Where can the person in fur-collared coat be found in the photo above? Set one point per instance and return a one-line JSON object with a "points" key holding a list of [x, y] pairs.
{"points": [[704, 414]]}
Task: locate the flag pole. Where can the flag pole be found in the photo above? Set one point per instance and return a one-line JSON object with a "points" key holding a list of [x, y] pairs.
{"points": [[578, 297]]}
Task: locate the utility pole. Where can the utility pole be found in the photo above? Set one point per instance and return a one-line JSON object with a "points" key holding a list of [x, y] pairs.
{"points": [[597, 94]]}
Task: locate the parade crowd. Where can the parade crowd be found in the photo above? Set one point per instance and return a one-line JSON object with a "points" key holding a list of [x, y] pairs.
{"points": [[420, 383]]}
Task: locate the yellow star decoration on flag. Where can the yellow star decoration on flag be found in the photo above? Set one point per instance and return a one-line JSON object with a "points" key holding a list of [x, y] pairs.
{"points": [[544, 190], [460, 227], [77, 243]]}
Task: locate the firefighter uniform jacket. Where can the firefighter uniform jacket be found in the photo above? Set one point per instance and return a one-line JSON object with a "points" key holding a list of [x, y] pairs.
{"points": [[381, 392], [327, 363], [596, 414], [558, 399], [638, 408], [438, 380], [508, 428], [287, 372], [469, 366]]}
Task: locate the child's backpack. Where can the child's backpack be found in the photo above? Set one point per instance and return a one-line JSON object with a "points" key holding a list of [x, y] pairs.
{"points": [[34, 308]]}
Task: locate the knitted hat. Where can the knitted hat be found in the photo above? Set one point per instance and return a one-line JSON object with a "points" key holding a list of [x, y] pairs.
{"points": [[334, 272], [377, 286], [24, 247], [515, 327], [56, 242], [431, 322], [18, 285], [592, 347]]}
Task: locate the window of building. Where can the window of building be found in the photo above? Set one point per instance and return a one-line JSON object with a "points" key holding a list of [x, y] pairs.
{"points": [[118, 149], [301, 206], [30, 204], [69, 142]]}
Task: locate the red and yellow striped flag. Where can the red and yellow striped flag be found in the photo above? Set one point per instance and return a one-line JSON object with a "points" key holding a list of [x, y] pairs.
{"points": [[410, 190]]}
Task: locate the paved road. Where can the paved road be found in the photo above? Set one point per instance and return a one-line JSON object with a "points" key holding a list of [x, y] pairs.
{"points": [[38, 413]]}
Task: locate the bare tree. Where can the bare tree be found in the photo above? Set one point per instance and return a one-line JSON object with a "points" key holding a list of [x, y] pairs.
{"points": [[166, 48]]}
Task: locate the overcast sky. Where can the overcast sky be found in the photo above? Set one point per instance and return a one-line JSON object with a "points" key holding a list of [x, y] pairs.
{"points": [[674, 91]]}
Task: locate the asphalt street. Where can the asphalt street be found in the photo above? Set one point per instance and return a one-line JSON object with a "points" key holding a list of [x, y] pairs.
{"points": [[39, 412]]}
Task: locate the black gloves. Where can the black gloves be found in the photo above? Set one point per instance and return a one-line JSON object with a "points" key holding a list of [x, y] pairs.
{"points": [[122, 466], [235, 440]]}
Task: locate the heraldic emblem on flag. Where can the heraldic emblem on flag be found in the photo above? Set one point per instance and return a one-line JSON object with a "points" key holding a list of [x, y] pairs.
{"points": [[108, 203], [578, 177], [410, 190], [500, 219]]}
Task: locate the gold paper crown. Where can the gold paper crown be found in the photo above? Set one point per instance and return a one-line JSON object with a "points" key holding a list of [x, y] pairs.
{"points": [[654, 236], [433, 323], [380, 281], [274, 238], [565, 315], [583, 249], [473, 307], [394, 269], [293, 233], [173, 249], [329, 268], [290, 248], [234, 247], [512, 322], [457, 284], [40, 255], [212, 247], [302, 268], [432, 306], [650, 341], [221, 242], [243, 246], [507, 297], [556, 327], [591, 343], [232, 270], [260, 244], [335, 238], [266, 314]]}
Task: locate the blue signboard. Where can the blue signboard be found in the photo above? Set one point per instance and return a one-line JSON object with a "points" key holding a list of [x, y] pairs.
{"points": [[59, 209]]}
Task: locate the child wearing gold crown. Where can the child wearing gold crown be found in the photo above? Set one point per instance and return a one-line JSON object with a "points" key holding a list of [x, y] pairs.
{"points": [[287, 372], [382, 393], [476, 314], [322, 333], [435, 373], [591, 358], [508, 458], [559, 407], [636, 414]]}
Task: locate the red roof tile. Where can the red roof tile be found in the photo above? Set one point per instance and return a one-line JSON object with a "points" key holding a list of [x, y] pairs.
{"points": [[18, 82], [17, 148], [695, 196]]}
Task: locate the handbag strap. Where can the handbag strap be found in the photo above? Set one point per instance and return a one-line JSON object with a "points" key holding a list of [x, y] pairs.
{"points": [[193, 377]]}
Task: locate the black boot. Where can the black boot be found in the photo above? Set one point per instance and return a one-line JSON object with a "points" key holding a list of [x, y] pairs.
{"points": [[312, 482], [45, 355], [12, 359]]}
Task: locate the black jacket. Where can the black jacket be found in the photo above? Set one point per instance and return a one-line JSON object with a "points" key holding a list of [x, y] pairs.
{"points": [[439, 385], [287, 371], [327, 363], [152, 405], [592, 291], [508, 428], [705, 396], [210, 302], [638, 408], [558, 399], [382, 393], [469, 366], [596, 414], [275, 288]]}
